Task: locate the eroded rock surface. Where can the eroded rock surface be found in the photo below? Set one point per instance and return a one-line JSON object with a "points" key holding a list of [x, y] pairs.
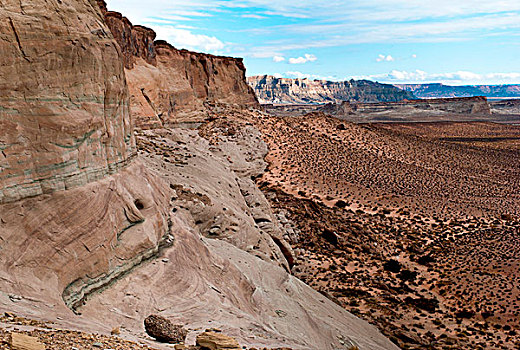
{"points": [[170, 86], [63, 99], [78, 211]]}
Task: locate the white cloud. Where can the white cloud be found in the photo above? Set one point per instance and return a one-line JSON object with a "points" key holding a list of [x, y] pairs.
{"points": [[382, 58], [454, 78], [250, 15], [277, 75], [414, 56], [298, 75], [183, 38], [278, 58], [300, 60]]}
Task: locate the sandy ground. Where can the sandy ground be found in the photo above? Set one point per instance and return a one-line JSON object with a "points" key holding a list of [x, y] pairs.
{"points": [[414, 227]]}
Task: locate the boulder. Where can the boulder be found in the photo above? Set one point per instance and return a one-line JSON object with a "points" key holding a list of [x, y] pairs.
{"points": [[25, 342], [164, 330], [216, 341]]}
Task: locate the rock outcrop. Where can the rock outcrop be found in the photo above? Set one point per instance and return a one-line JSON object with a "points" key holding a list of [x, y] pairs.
{"points": [[461, 105], [77, 210], [170, 86], [217, 341], [272, 90]]}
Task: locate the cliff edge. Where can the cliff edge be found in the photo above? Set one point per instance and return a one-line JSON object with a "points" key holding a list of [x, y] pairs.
{"points": [[170, 86]]}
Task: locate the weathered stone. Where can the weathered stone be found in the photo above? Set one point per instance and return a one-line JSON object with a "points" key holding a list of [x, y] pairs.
{"points": [[24, 342], [216, 341], [64, 111], [164, 330]]}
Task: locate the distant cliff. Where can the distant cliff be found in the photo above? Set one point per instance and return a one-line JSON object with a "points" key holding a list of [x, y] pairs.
{"points": [[304, 91], [168, 85], [443, 91]]}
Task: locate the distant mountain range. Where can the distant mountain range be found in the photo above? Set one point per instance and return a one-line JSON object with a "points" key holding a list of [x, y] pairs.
{"points": [[272, 90], [442, 91]]}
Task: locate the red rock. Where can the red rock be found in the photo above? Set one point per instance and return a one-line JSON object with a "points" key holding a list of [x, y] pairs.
{"points": [[69, 182], [168, 85]]}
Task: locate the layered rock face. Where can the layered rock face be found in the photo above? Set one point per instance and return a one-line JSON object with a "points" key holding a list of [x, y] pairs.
{"points": [[170, 86], [64, 111], [304, 91], [78, 210]]}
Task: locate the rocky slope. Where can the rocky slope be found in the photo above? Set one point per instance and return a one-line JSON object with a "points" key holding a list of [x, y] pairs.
{"points": [[168, 85], [444, 91], [94, 237], [271, 90]]}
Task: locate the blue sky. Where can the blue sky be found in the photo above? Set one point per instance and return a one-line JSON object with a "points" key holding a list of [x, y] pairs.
{"points": [[396, 41]]}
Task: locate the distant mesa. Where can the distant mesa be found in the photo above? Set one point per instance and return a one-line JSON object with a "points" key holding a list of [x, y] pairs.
{"points": [[439, 90], [272, 90]]}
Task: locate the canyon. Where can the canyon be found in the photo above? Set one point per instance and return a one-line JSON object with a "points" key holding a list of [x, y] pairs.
{"points": [[139, 179], [114, 206]]}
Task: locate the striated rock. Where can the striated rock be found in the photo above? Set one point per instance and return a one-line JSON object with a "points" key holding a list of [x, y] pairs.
{"points": [[63, 99], [171, 86], [135, 41], [304, 91], [216, 341], [76, 210], [25, 342], [72, 243], [163, 330]]}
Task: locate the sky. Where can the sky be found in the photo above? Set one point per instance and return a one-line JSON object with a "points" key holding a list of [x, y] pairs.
{"points": [[454, 42]]}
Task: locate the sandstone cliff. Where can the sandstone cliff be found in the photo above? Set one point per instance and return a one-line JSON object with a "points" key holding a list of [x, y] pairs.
{"points": [[304, 91], [78, 209], [168, 85]]}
